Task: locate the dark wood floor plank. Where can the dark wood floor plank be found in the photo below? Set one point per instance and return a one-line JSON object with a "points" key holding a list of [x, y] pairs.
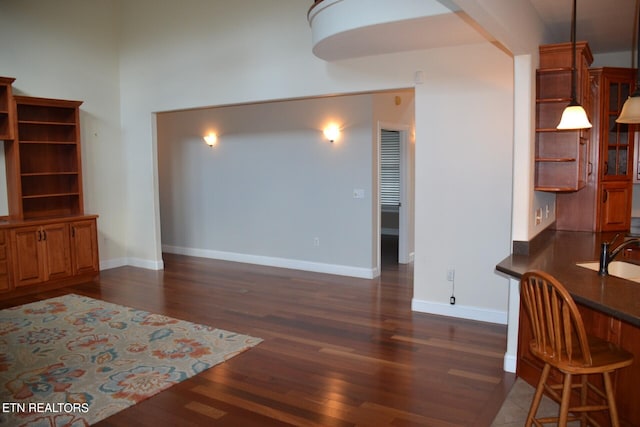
{"points": [[337, 351]]}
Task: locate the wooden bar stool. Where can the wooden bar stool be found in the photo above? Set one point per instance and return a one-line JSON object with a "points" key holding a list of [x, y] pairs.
{"points": [[560, 341]]}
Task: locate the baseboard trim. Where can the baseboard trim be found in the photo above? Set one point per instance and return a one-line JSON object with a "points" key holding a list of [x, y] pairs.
{"points": [[510, 362], [134, 262], [113, 263], [460, 311], [146, 263], [317, 267]]}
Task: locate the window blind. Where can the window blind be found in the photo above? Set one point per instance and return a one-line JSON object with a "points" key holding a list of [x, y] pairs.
{"points": [[390, 168]]}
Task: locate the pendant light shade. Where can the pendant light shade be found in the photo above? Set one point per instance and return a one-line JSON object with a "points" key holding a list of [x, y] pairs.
{"points": [[631, 109], [574, 116]]}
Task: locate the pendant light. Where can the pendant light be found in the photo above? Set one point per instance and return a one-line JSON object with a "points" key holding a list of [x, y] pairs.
{"points": [[574, 116], [631, 109]]}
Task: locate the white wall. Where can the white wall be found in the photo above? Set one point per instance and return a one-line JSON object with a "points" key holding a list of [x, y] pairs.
{"points": [[614, 59], [464, 154], [272, 185], [68, 49], [526, 201]]}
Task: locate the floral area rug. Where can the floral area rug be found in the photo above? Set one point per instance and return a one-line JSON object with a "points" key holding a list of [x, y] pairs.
{"points": [[74, 360]]}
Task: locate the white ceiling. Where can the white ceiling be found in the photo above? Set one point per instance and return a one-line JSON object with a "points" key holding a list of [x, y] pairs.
{"points": [[608, 25]]}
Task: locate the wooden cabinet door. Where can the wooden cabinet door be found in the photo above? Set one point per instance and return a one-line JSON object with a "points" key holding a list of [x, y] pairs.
{"points": [[47, 254], [84, 246], [57, 250], [615, 208], [5, 279], [28, 262], [616, 139], [41, 253]]}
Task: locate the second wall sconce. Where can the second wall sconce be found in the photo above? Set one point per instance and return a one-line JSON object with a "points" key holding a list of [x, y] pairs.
{"points": [[211, 139], [332, 132]]}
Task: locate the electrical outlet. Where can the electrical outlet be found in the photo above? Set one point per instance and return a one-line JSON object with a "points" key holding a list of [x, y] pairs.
{"points": [[451, 274], [316, 241], [538, 216]]}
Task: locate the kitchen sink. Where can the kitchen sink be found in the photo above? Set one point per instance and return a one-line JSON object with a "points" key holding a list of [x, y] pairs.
{"points": [[624, 270]]}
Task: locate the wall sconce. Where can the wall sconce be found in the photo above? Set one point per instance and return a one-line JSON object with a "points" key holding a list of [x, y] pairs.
{"points": [[332, 132], [211, 139]]}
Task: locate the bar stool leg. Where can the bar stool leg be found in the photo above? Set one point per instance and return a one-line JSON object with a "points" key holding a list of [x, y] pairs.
{"points": [[613, 411], [584, 394], [564, 404], [538, 395]]}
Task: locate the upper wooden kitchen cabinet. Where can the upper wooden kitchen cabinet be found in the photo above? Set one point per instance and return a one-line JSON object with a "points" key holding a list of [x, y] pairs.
{"points": [[605, 202], [561, 156]]}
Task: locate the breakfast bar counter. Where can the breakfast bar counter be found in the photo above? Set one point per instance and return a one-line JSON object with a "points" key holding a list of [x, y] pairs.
{"points": [[557, 253], [609, 306]]}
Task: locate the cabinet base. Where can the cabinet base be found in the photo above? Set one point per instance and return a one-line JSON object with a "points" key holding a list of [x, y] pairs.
{"points": [[34, 289]]}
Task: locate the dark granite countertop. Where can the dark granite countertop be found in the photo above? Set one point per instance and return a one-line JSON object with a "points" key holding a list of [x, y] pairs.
{"points": [[557, 253]]}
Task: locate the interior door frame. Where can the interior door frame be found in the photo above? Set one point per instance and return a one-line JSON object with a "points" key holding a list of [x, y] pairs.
{"points": [[403, 223]]}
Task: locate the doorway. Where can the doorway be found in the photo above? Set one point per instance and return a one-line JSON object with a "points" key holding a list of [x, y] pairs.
{"points": [[393, 199]]}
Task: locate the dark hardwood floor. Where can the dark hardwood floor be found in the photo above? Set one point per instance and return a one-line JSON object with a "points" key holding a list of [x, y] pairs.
{"points": [[337, 351]]}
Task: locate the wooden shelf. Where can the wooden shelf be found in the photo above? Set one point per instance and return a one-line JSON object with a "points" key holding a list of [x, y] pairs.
{"points": [[561, 155], [50, 195], [557, 160], [44, 122], [553, 100], [45, 162], [555, 130], [560, 189], [49, 142], [49, 173], [555, 70]]}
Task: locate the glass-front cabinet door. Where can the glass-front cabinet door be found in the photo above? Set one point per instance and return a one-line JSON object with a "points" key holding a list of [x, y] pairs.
{"points": [[617, 139], [615, 147]]}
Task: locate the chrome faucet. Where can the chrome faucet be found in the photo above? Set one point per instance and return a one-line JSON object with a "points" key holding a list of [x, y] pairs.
{"points": [[607, 255]]}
